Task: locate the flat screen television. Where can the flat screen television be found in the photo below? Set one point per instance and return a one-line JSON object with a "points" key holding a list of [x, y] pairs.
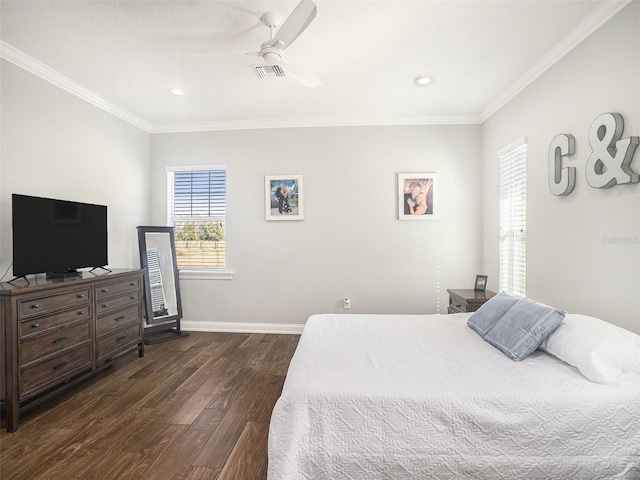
{"points": [[57, 237]]}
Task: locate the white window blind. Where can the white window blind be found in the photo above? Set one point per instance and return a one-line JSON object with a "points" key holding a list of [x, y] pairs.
{"points": [[197, 208], [513, 219]]}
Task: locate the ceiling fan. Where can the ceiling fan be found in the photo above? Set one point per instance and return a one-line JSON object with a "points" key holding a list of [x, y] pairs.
{"points": [[271, 51]]}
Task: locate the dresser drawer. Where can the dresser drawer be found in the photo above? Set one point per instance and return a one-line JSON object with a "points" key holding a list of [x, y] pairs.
{"points": [[119, 319], [39, 376], [113, 304], [457, 305], [114, 342], [53, 342], [41, 305], [37, 325], [113, 289]]}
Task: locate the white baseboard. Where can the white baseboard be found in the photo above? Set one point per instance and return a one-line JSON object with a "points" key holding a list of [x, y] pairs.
{"points": [[233, 327]]}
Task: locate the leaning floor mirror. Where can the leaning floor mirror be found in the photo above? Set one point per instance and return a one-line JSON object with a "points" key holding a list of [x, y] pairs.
{"points": [[161, 284]]}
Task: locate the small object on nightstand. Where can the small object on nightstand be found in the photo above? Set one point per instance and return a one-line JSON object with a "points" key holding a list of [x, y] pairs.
{"points": [[467, 300], [481, 283]]}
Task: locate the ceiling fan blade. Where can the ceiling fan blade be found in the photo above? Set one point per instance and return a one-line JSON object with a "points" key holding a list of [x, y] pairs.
{"points": [[302, 75], [218, 54], [296, 23]]}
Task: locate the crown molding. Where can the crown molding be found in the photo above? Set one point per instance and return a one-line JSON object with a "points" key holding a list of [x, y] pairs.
{"points": [[312, 122], [31, 65], [553, 56]]}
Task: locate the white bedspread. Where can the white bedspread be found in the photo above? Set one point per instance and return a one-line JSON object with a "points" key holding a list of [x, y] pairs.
{"points": [[372, 397]]}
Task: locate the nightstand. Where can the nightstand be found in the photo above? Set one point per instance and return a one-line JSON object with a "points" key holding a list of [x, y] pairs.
{"points": [[467, 300]]}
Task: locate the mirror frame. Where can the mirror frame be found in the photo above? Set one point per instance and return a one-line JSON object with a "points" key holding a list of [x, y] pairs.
{"points": [[142, 244]]}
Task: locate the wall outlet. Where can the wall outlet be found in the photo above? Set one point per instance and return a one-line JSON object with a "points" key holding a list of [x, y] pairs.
{"points": [[346, 303]]}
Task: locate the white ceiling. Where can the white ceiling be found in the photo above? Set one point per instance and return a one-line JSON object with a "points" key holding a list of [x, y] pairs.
{"points": [[367, 53]]}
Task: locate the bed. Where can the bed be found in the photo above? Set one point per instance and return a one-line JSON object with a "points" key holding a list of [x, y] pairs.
{"points": [[374, 397]]}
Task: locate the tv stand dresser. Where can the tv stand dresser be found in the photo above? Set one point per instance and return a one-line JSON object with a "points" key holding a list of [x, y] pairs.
{"points": [[59, 332]]}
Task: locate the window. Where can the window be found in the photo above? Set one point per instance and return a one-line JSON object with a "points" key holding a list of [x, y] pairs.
{"points": [[197, 209], [513, 218]]}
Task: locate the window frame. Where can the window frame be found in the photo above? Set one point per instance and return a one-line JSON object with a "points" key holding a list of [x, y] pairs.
{"points": [[512, 213], [197, 273]]}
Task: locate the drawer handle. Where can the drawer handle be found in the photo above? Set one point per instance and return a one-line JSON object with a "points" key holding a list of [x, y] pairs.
{"points": [[117, 319], [34, 325], [59, 365], [105, 305], [133, 284], [119, 339], [35, 305], [80, 295], [59, 340], [80, 312], [133, 297], [104, 290]]}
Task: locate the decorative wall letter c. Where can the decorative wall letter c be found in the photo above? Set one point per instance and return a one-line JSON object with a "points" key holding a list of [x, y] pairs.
{"points": [[561, 180], [610, 160]]}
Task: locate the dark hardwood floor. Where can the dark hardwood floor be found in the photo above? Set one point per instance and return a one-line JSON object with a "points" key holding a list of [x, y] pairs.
{"points": [[197, 407]]}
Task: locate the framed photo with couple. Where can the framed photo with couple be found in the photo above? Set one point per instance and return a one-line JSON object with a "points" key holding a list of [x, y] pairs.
{"points": [[283, 197], [417, 196]]}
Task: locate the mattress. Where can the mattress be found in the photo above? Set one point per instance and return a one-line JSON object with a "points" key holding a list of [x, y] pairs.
{"points": [[373, 397]]}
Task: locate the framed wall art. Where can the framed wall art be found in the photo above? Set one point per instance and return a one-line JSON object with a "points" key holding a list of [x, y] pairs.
{"points": [[283, 197], [481, 283], [416, 196]]}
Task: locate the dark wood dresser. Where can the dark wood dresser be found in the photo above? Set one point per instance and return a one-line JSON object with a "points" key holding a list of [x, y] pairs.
{"points": [[467, 300], [59, 332]]}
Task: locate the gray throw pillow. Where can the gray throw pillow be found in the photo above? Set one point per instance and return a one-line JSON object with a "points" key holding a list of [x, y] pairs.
{"points": [[523, 328], [490, 312]]}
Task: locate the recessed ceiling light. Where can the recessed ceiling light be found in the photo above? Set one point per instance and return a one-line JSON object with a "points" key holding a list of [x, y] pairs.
{"points": [[423, 80], [176, 91]]}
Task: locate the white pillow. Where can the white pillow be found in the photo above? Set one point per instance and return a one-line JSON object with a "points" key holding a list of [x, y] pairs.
{"points": [[600, 350]]}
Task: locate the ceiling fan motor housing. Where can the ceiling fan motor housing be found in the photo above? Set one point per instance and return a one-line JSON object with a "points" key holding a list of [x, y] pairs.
{"points": [[271, 58]]}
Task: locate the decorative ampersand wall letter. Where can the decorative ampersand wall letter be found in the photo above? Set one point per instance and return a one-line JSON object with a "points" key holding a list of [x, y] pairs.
{"points": [[561, 180], [610, 160]]}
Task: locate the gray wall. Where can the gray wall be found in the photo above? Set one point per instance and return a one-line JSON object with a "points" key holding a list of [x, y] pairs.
{"points": [[56, 145], [350, 242], [584, 249]]}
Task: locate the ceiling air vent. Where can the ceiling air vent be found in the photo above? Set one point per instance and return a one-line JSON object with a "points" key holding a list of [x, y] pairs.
{"points": [[268, 71]]}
